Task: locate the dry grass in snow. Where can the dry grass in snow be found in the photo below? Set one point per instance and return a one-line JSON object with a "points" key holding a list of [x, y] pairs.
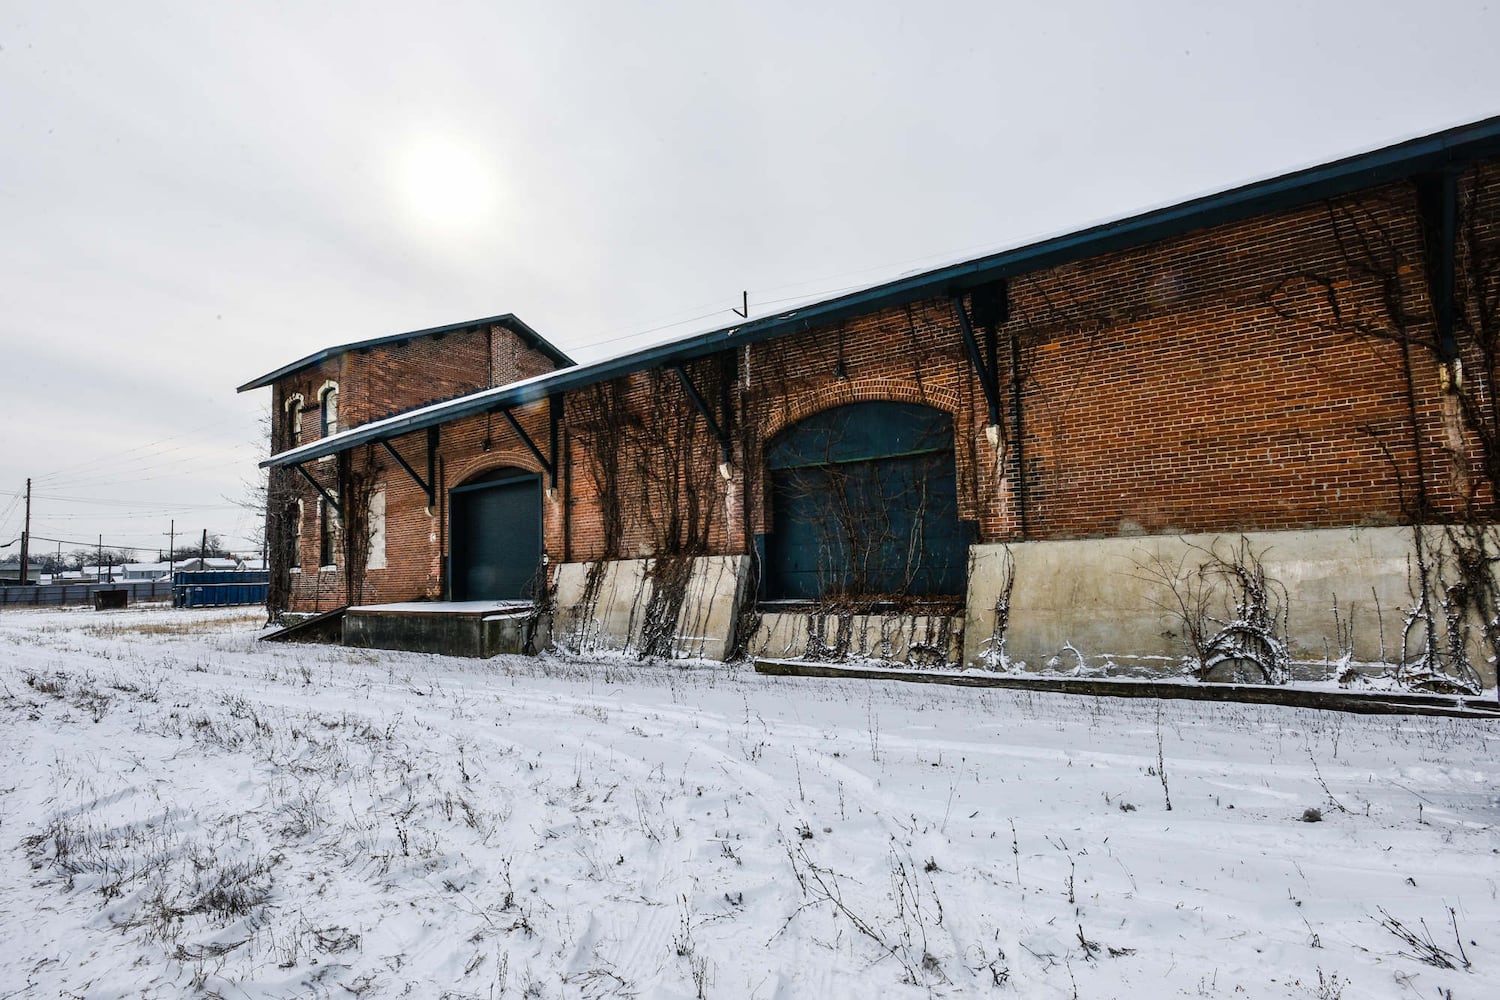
{"points": [[185, 812]]}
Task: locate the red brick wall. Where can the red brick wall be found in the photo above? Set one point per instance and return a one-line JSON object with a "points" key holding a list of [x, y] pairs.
{"points": [[380, 381], [910, 353], [393, 379], [515, 360], [307, 384], [396, 377], [670, 497], [1204, 384], [1190, 385]]}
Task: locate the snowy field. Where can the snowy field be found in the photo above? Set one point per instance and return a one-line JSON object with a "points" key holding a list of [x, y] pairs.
{"points": [[185, 812]]}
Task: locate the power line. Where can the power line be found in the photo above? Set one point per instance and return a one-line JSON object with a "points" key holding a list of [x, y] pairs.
{"points": [[74, 519], [118, 457], [93, 543], [819, 288], [11, 508], [152, 504], [105, 478]]}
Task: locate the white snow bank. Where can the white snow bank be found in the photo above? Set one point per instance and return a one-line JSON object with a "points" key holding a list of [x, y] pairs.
{"points": [[184, 811]]}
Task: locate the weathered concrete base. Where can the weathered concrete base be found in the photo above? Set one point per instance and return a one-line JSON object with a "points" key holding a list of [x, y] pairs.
{"points": [[1085, 602], [1373, 703], [470, 633], [933, 639], [610, 605], [324, 627]]}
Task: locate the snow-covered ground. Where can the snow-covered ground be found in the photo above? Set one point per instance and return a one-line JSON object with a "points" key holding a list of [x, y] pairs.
{"points": [[186, 812]]}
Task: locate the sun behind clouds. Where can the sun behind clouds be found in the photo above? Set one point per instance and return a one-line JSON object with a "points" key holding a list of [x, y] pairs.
{"points": [[447, 184]]}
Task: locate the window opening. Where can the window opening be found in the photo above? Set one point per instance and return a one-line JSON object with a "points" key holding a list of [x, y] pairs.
{"points": [[376, 513], [330, 410], [294, 539], [294, 419], [327, 534]]}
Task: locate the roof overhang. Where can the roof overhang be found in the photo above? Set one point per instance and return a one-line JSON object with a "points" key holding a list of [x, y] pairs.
{"points": [[508, 320], [1444, 150]]}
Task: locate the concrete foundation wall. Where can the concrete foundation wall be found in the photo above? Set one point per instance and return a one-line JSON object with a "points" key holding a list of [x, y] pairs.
{"points": [[906, 639], [611, 609], [476, 635], [1109, 598]]}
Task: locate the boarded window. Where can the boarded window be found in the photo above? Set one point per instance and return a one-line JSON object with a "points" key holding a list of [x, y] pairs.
{"points": [[294, 420], [864, 505], [330, 411], [327, 534], [376, 557], [294, 538]]}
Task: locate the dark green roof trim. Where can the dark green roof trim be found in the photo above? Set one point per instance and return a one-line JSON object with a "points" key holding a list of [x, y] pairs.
{"points": [[508, 320], [1450, 149]]}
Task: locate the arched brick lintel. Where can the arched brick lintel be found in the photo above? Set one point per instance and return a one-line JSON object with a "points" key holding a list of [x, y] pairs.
{"points": [[499, 458], [871, 390]]}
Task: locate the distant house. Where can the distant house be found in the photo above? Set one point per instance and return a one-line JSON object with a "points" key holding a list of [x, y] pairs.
{"points": [[143, 571], [10, 570], [200, 565]]}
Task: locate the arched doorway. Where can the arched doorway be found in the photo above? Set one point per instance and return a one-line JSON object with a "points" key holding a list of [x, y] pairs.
{"points": [[864, 505], [495, 536]]}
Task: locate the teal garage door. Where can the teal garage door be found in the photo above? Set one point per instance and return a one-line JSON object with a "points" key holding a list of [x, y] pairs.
{"points": [[864, 505]]}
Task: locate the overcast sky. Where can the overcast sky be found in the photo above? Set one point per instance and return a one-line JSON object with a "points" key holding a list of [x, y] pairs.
{"points": [[195, 193]]}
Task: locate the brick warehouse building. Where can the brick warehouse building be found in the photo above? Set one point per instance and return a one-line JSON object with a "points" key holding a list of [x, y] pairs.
{"points": [[1266, 413]]}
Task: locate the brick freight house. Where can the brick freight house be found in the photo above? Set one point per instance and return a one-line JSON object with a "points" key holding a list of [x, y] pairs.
{"points": [[1078, 452], [353, 385]]}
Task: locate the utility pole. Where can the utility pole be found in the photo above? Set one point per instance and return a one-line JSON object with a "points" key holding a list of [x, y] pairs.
{"points": [[99, 568], [203, 551], [172, 549], [26, 534]]}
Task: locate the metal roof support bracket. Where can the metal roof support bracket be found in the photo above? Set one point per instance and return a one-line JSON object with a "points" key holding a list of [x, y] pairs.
{"points": [[329, 498], [549, 466], [427, 486], [1437, 203], [987, 370], [715, 427]]}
